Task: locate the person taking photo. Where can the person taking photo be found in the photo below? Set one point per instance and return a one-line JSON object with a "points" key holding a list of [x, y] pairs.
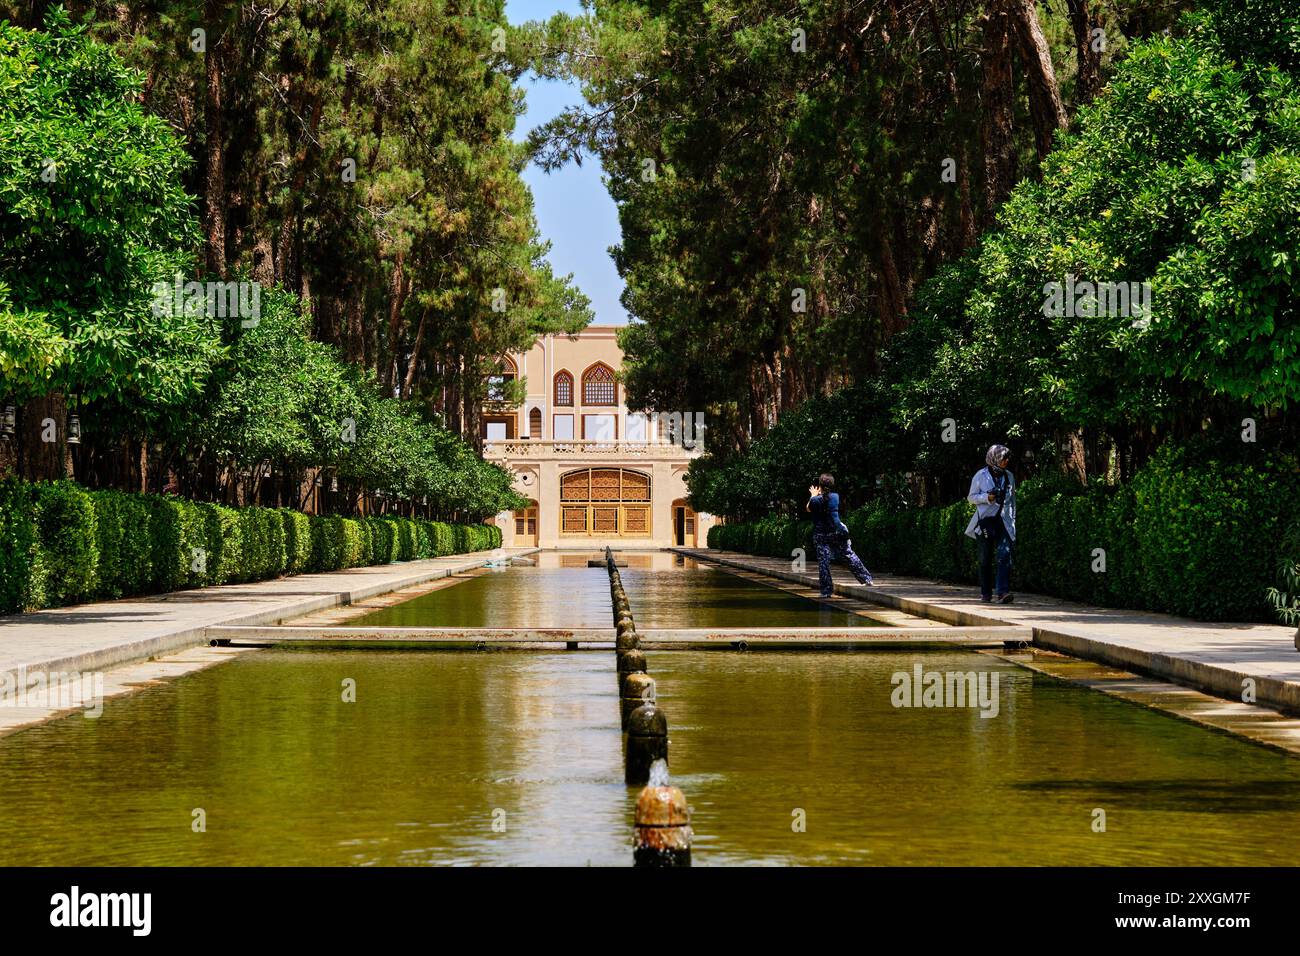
{"points": [[830, 536]]}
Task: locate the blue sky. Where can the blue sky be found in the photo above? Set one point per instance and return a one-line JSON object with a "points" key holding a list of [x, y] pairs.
{"points": [[574, 211]]}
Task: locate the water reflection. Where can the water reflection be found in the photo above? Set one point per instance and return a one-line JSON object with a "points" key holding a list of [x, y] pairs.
{"points": [[666, 590], [515, 757]]}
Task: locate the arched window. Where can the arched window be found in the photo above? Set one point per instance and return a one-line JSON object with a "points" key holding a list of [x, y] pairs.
{"points": [[535, 422], [563, 388], [598, 386]]}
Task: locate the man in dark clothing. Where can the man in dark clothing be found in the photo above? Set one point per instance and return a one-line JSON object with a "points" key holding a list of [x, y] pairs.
{"points": [[830, 536]]}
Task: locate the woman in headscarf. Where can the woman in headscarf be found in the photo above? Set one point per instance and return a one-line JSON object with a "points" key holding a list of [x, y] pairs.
{"points": [[993, 526]]}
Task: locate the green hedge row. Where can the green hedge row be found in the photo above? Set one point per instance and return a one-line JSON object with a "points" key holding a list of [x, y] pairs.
{"points": [[63, 544], [1199, 542]]}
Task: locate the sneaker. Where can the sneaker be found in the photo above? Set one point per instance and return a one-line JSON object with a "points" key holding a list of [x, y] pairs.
{"points": [[1006, 598], [867, 582], [828, 594], [986, 599]]}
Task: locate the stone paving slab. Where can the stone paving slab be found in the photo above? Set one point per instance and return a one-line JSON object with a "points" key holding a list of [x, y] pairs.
{"points": [[93, 637], [1217, 658]]}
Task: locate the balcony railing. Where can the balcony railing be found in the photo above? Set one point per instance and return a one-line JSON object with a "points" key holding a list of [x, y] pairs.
{"points": [[505, 449]]}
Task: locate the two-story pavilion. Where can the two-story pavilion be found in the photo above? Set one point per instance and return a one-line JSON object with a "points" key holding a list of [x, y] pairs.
{"points": [[594, 472]]}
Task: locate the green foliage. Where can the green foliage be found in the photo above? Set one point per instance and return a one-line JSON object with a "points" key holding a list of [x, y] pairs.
{"points": [[181, 537], [444, 539], [1285, 597], [1182, 174], [262, 538], [773, 536], [64, 545], [88, 175], [383, 540], [848, 433], [91, 177], [297, 541], [68, 554], [125, 564], [1185, 175], [339, 543], [19, 539], [1210, 537], [222, 555], [283, 398]]}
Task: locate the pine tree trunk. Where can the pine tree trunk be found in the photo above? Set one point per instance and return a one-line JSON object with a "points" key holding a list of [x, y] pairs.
{"points": [[1088, 77], [214, 212], [409, 382], [1045, 104], [391, 350], [998, 113]]}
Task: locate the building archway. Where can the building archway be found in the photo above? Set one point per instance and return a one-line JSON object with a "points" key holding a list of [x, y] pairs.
{"points": [[605, 502], [685, 524]]}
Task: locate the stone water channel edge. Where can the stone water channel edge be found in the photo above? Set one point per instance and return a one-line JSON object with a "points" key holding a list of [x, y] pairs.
{"points": [[59, 661], [1239, 679]]}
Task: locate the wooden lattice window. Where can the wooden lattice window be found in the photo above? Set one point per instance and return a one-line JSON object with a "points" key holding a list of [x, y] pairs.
{"points": [[574, 520], [598, 386], [605, 501], [605, 485], [563, 388], [604, 520], [637, 520], [576, 486], [535, 423], [636, 487]]}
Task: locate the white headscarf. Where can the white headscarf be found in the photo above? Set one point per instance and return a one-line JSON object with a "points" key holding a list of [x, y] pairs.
{"points": [[995, 454]]}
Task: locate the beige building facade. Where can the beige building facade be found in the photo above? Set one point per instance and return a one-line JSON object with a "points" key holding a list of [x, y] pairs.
{"points": [[595, 473]]}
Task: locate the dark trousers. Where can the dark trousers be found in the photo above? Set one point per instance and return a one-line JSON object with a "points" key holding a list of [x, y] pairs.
{"points": [[827, 551], [994, 543]]}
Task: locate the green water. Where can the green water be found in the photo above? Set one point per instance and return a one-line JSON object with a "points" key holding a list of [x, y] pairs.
{"points": [[440, 745], [665, 590]]}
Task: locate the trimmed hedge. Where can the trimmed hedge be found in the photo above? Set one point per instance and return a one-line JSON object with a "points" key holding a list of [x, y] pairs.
{"points": [[18, 543], [61, 543], [1199, 542], [67, 557]]}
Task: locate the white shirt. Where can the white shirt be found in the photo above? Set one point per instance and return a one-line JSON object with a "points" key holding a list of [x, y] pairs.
{"points": [[980, 486]]}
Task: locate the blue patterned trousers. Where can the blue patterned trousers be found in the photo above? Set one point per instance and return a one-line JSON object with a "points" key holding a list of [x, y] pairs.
{"points": [[828, 550]]}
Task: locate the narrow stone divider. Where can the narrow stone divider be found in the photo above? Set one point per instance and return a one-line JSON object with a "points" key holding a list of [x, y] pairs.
{"points": [[662, 821]]}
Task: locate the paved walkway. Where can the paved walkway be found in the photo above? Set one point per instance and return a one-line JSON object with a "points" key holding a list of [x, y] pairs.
{"points": [[1217, 658], [92, 637]]}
